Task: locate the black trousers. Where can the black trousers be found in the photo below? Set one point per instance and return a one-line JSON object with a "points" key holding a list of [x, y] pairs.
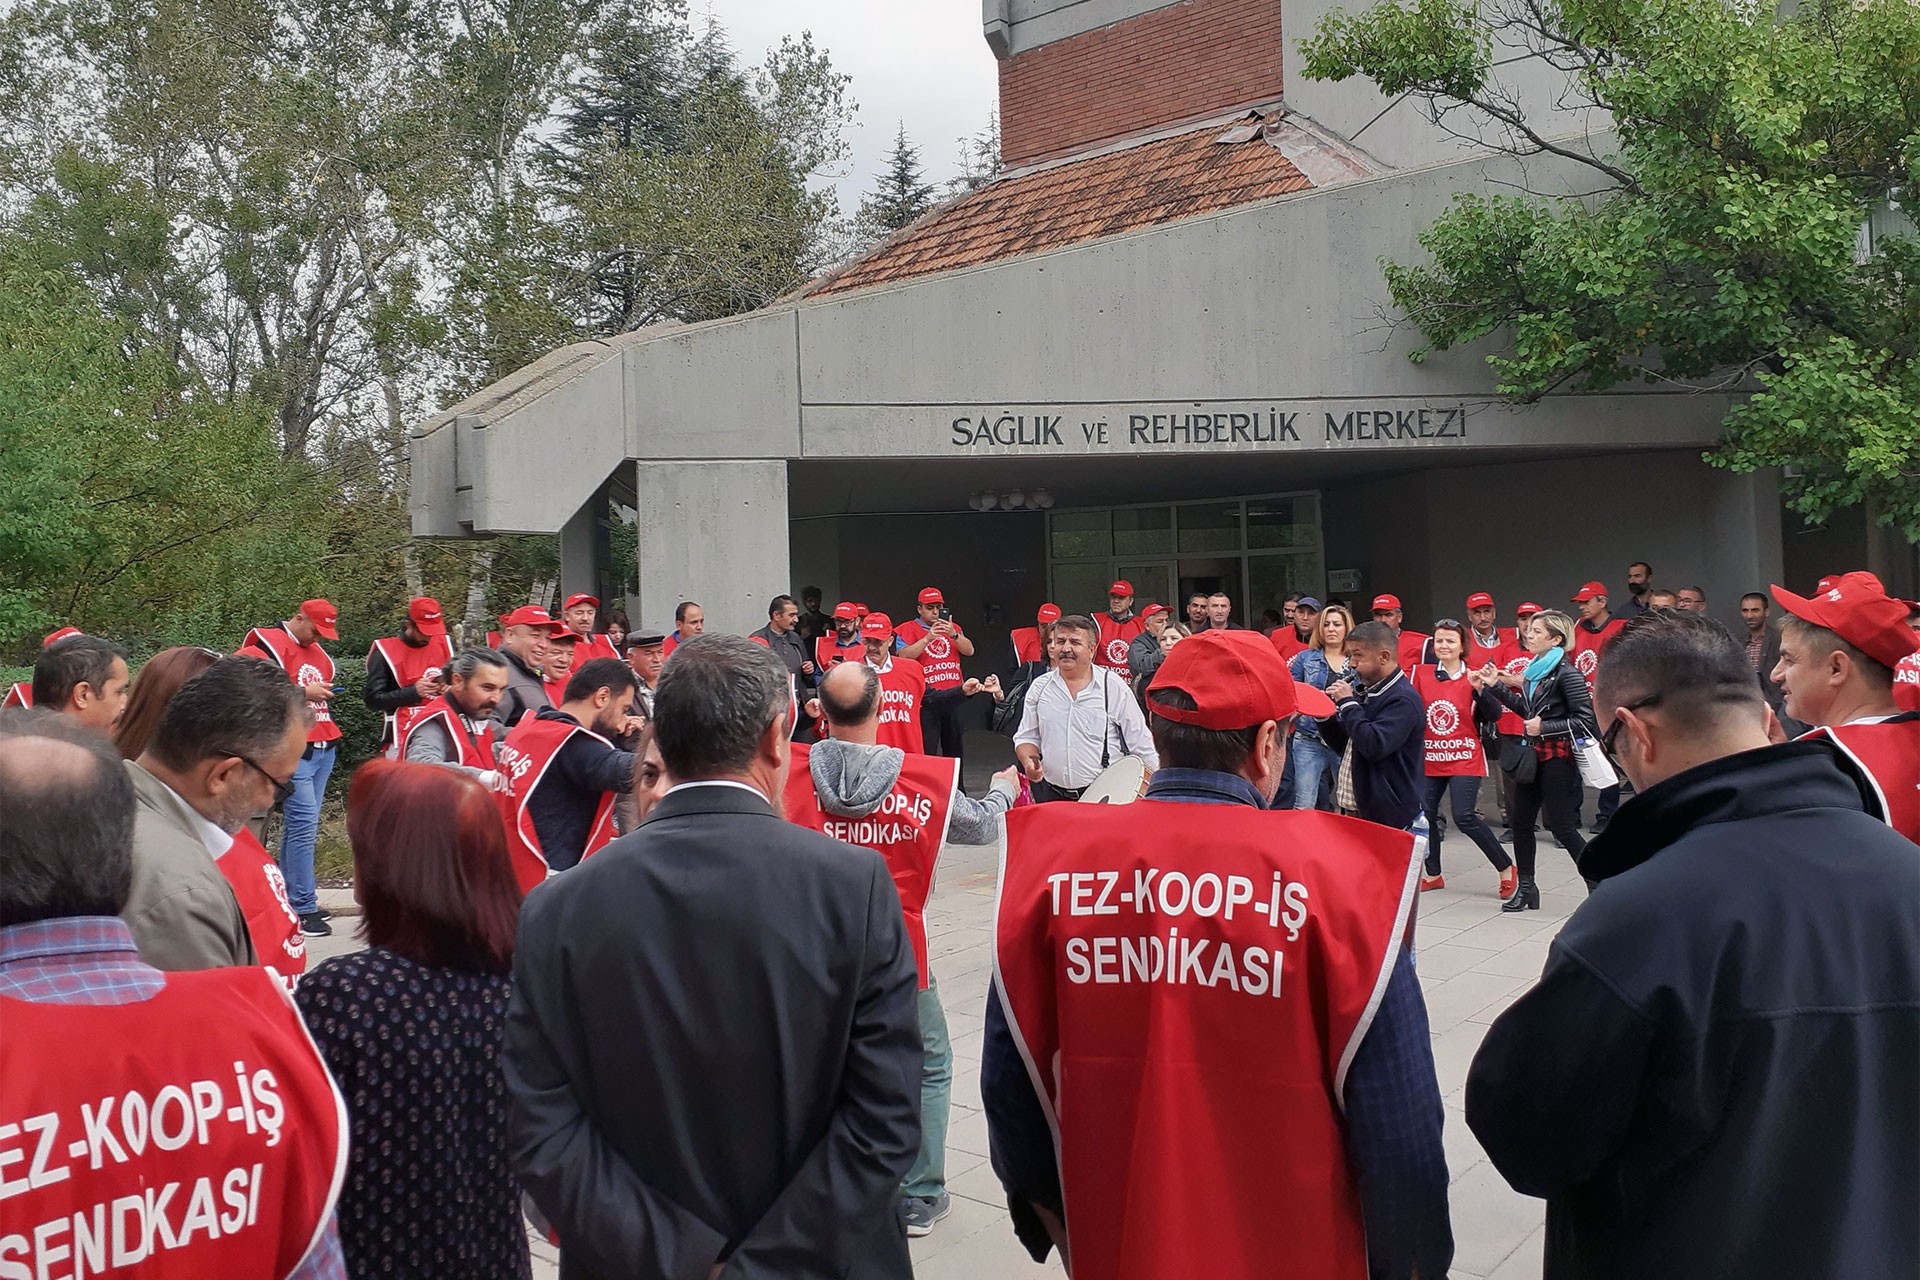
{"points": [[940, 721], [1464, 793], [1556, 788]]}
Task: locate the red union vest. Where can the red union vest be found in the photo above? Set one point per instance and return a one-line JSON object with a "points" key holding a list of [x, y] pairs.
{"points": [[902, 687], [1589, 645], [408, 665], [1513, 661], [1412, 650], [556, 689], [1187, 1011], [1453, 740], [589, 647], [1026, 645], [907, 830], [19, 695], [1888, 753], [1114, 638], [524, 757], [828, 652], [207, 1139], [1287, 642], [475, 753], [940, 659], [304, 664], [262, 893], [1906, 683]]}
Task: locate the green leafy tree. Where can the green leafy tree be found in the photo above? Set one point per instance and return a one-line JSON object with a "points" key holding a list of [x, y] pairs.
{"points": [[900, 195], [1725, 246]]}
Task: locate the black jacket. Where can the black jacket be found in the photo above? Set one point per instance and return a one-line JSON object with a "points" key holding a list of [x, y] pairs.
{"points": [[383, 691], [713, 1050], [564, 804], [1563, 702], [1718, 1073], [793, 652], [1388, 732]]}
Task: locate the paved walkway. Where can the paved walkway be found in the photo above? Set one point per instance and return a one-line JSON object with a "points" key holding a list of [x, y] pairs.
{"points": [[1472, 962]]}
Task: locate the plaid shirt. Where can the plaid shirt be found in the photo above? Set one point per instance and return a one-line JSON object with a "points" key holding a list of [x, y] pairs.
{"points": [[92, 960]]}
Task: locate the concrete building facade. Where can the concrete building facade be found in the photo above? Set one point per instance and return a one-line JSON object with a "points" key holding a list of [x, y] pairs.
{"points": [[1163, 333]]}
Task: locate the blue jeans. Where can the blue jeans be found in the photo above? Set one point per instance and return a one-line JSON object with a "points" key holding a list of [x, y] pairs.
{"points": [[1312, 760], [302, 814], [928, 1176]]}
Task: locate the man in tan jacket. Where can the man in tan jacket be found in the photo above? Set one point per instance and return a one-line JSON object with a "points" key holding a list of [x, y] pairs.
{"points": [[225, 749]]}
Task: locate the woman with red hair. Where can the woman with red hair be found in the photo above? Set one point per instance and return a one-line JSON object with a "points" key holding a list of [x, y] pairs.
{"points": [[412, 1027]]}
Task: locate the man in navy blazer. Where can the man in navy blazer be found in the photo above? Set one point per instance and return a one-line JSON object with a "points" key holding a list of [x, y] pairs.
{"points": [[713, 1052]]}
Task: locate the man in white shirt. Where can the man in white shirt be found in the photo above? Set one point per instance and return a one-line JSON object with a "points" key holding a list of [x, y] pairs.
{"points": [[1078, 719]]}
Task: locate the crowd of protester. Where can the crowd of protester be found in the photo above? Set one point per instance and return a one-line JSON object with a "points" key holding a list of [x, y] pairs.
{"points": [[646, 960]]}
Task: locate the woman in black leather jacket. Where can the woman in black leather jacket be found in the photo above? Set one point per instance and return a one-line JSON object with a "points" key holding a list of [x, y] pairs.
{"points": [[1552, 696]]}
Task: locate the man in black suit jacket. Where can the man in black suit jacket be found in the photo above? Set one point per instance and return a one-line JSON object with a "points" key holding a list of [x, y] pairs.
{"points": [[713, 1051]]}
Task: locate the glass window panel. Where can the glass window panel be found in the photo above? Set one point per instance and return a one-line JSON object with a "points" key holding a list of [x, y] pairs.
{"points": [[1151, 582], [1142, 531], [1080, 535], [1281, 522], [1271, 578], [1081, 587], [1210, 526]]}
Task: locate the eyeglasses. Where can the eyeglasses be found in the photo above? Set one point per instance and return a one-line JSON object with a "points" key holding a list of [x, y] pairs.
{"points": [[1612, 735], [281, 790]]}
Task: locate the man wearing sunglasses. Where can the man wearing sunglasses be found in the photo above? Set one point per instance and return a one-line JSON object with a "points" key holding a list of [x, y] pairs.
{"points": [[225, 749], [1715, 1073]]}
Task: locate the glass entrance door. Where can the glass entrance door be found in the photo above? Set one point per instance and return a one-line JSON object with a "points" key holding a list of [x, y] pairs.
{"points": [[1152, 581]]}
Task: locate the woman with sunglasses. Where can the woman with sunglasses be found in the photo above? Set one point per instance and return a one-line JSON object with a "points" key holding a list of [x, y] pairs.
{"points": [[1456, 708], [1319, 664], [1552, 697]]}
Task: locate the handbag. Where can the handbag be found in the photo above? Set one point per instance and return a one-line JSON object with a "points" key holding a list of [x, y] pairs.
{"points": [[1595, 769], [1519, 761]]}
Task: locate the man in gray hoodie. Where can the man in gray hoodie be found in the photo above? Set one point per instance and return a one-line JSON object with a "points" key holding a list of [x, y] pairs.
{"points": [[852, 776]]}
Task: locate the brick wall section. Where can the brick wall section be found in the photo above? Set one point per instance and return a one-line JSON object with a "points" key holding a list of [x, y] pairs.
{"points": [[1163, 67]]}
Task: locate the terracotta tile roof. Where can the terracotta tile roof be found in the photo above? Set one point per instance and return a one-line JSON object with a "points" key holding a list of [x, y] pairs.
{"points": [[1124, 190]]}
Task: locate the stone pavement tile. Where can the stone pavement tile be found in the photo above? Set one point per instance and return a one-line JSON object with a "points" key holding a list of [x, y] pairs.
{"points": [[1438, 961], [1452, 1002], [1524, 959], [1490, 1219], [1526, 1262], [967, 1131], [1453, 1052], [975, 1242]]}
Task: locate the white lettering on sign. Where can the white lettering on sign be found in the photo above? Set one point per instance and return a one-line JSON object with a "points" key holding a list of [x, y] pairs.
{"points": [[1198, 903], [153, 1216]]}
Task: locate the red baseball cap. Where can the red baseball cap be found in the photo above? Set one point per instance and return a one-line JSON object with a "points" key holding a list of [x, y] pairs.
{"points": [[846, 609], [580, 597], [1120, 587], [1236, 679], [54, 637], [322, 615], [427, 616], [532, 615], [566, 635], [1048, 615], [1384, 602], [1858, 609], [1152, 609], [860, 606], [876, 624], [1527, 609], [1588, 592], [931, 595], [1479, 600]]}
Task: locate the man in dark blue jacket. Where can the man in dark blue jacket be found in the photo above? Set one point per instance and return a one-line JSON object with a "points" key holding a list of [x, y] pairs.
{"points": [[1716, 1073], [1385, 719]]}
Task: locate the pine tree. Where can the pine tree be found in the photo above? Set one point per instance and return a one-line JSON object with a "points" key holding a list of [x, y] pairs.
{"points": [[902, 195]]}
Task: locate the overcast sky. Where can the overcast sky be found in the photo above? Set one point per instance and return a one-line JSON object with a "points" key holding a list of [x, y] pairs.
{"points": [[919, 61]]}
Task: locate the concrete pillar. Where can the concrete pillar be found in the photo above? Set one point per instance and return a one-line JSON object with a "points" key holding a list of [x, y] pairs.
{"points": [[714, 532], [578, 572], [1744, 551]]}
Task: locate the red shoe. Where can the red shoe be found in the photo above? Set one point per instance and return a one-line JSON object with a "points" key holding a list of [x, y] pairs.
{"points": [[1509, 881], [1432, 882]]}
